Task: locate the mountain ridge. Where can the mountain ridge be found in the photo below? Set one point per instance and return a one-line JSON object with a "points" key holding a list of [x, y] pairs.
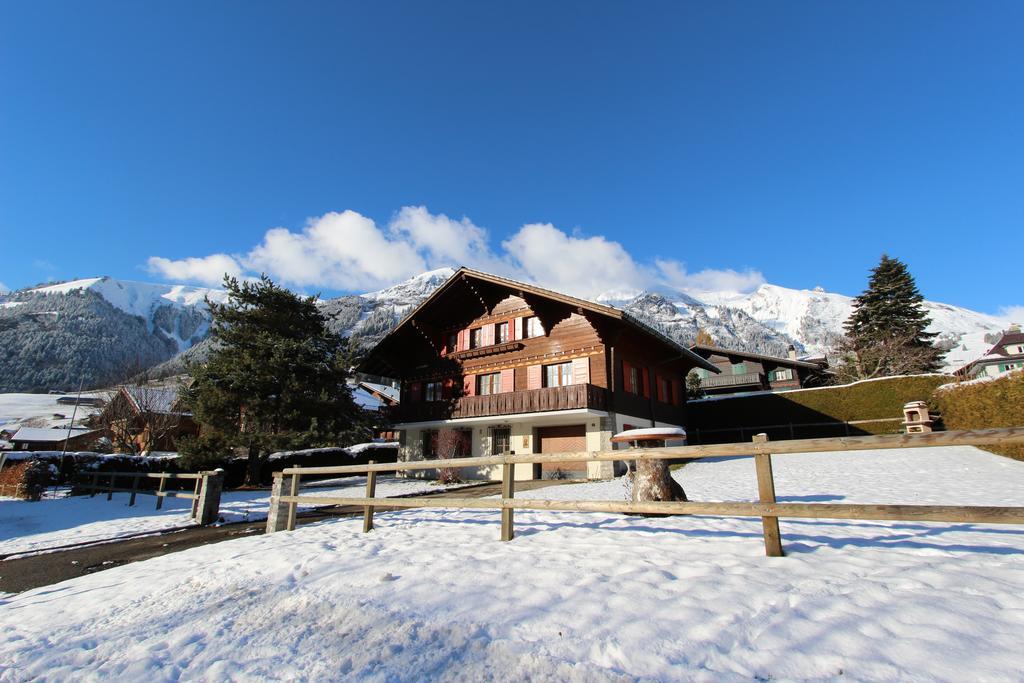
{"points": [[94, 329]]}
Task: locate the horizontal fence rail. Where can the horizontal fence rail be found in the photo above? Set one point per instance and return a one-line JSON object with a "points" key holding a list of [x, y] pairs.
{"points": [[205, 493], [284, 505]]}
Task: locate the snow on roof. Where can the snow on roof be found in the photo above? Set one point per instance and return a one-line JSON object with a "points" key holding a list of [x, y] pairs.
{"points": [[37, 434], [153, 399], [382, 389]]}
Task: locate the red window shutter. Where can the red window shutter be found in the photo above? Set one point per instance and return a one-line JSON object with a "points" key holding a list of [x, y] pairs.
{"points": [[517, 328], [646, 379], [508, 380], [469, 385], [533, 377], [677, 392], [487, 335], [581, 371], [416, 391], [461, 343], [627, 378]]}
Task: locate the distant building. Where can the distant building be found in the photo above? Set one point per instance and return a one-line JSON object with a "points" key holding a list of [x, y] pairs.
{"points": [[143, 418], [1005, 356], [36, 439], [743, 372], [377, 398]]}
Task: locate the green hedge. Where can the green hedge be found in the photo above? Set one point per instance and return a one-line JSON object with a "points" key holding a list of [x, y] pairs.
{"points": [[870, 400], [996, 403]]}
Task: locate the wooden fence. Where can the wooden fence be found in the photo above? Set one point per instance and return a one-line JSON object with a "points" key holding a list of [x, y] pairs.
{"points": [[284, 506], [205, 495], [13, 490]]}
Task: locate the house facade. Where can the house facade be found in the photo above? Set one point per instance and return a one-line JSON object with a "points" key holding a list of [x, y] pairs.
{"points": [[741, 372], [55, 439], [1007, 355], [488, 366], [142, 419]]}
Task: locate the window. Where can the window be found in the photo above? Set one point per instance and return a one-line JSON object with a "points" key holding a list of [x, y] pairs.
{"points": [[782, 375], [739, 368], [476, 338], [558, 375], [429, 443], [664, 390], [451, 344], [1006, 367], [433, 391], [533, 327], [488, 384], [634, 380], [501, 440], [501, 333]]}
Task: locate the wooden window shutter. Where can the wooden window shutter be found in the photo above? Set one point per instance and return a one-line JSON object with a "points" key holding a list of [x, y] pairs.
{"points": [[487, 335], [627, 378], [508, 380], [463, 342], [469, 385], [581, 370], [517, 328], [416, 391], [646, 380], [533, 377], [677, 392]]}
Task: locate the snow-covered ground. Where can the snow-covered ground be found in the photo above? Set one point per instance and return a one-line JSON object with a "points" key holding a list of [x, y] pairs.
{"points": [[42, 410], [432, 594], [29, 527]]}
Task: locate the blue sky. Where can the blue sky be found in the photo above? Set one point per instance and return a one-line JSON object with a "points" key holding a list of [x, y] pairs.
{"points": [[586, 146]]}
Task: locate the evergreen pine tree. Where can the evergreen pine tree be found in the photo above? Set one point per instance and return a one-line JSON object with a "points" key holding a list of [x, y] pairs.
{"points": [[886, 333], [275, 379]]}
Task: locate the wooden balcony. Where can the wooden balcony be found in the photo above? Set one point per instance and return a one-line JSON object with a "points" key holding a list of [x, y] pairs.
{"points": [[746, 379], [571, 397]]}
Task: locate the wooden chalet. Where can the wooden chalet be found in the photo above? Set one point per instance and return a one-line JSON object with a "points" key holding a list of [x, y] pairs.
{"points": [[516, 368], [143, 418], [740, 371]]}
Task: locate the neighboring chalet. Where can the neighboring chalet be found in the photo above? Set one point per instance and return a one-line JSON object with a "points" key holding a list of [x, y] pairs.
{"points": [[1005, 356], [38, 439], [743, 372], [143, 418], [377, 398], [519, 369]]}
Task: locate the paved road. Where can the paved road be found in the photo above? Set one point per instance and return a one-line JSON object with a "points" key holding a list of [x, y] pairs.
{"points": [[24, 573]]}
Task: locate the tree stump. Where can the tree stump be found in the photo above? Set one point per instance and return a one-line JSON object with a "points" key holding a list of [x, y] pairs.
{"points": [[652, 479]]}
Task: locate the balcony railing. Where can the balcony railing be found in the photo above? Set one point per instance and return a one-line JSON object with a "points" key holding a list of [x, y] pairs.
{"points": [[571, 397], [749, 378]]}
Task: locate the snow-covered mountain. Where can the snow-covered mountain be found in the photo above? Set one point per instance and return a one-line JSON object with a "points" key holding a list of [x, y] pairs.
{"points": [[813, 317], [101, 330]]}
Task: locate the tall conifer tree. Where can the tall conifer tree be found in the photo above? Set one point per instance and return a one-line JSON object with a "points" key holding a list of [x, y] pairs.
{"points": [[275, 379], [886, 333]]}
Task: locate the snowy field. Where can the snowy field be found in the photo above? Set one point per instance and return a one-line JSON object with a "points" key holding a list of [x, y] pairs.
{"points": [[433, 594], [28, 527], [40, 410]]}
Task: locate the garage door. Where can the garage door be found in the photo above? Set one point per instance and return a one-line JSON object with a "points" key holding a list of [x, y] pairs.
{"points": [[563, 439]]}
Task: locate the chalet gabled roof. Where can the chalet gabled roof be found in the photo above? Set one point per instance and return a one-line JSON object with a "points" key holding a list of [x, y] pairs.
{"points": [[514, 287], [790, 362]]}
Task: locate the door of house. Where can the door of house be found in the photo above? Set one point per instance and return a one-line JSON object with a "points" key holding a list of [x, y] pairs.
{"points": [[563, 439]]}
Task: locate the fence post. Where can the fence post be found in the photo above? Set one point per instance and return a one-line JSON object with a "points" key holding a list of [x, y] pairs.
{"points": [[766, 493], [508, 489], [135, 488], [159, 490], [110, 487], [293, 507], [277, 516], [209, 497], [95, 484], [196, 491], [371, 490]]}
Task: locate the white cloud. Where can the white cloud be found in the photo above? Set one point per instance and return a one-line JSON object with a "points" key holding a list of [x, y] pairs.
{"points": [[674, 275], [1014, 314], [585, 266], [338, 250], [209, 270], [349, 252]]}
